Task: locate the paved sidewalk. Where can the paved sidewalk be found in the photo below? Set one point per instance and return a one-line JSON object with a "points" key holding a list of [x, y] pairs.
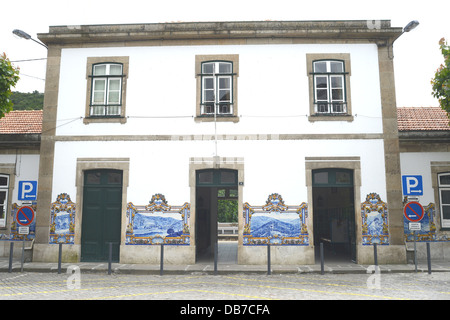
{"points": [[208, 268], [227, 264]]}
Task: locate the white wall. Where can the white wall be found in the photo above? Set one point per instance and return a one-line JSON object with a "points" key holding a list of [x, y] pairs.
{"points": [[272, 81], [26, 169], [270, 166], [419, 163]]}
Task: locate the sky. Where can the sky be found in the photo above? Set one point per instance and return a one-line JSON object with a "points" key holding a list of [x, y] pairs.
{"points": [[416, 54]]}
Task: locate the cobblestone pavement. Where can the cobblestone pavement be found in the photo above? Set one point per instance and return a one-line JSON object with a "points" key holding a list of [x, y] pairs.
{"points": [[94, 286]]}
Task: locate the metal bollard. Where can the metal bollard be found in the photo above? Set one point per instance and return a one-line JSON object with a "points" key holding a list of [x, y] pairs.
{"points": [[59, 258], [269, 272], [429, 257], [11, 252], [216, 251], [23, 255], [110, 258], [161, 261], [322, 269], [375, 254]]}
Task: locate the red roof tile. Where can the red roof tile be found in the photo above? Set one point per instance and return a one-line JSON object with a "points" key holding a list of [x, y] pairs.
{"points": [[422, 119], [21, 122]]}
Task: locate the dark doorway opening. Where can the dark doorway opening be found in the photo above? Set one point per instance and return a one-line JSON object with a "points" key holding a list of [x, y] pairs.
{"points": [[334, 214], [216, 202], [101, 221]]}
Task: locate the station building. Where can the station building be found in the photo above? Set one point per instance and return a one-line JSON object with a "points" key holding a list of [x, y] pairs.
{"points": [[150, 130]]}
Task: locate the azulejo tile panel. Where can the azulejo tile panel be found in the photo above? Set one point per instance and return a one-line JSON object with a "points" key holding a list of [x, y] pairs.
{"points": [[428, 230], [375, 225], [275, 223], [158, 223], [62, 220], [14, 234]]}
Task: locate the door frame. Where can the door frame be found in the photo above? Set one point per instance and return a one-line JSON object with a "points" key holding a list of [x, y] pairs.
{"points": [[350, 163], [86, 164], [201, 163]]}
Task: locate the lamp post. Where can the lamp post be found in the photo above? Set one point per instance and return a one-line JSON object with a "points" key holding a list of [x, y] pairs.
{"points": [[24, 35]]}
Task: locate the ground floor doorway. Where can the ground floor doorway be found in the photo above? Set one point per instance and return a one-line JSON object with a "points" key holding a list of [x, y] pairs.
{"points": [[216, 202], [334, 214], [101, 216]]}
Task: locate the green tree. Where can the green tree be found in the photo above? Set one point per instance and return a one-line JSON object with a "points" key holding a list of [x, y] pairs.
{"points": [[441, 80], [9, 75]]}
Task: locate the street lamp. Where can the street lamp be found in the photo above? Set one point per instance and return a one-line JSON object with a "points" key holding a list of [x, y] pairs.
{"points": [[26, 36], [410, 26]]}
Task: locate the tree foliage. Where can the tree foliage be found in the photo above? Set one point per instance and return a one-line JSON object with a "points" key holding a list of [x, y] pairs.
{"points": [[441, 80], [27, 101], [9, 75]]}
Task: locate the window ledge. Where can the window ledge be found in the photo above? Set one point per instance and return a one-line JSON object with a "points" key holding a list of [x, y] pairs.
{"points": [[89, 120], [221, 118], [331, 117]]}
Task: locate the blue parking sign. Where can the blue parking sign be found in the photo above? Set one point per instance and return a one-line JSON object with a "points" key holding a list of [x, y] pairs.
{"points": [[27, 190], [412, 185]]}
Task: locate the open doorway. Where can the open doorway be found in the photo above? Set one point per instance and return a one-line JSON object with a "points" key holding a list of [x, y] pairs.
{"points": [[334, 214], [216, 204]]}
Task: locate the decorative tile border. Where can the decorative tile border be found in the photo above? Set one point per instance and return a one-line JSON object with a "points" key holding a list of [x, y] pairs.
{"points": [[158, 223], [375, 225], [275, 223]]}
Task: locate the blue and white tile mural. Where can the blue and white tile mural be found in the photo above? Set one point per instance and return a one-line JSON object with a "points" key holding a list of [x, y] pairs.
{"points": [[427, 224], [158, 223], [14, 231], [62, 220], [375, 225], [275, 223]]}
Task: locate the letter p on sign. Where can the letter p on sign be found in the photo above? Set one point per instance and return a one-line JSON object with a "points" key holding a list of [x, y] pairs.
{"points": [[412, 185]]}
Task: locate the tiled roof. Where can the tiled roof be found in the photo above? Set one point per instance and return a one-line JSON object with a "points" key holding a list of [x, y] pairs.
{"points": [[21, 122], [422, 119]]}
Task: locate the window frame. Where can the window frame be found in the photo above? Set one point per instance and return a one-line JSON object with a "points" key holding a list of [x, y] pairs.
{"points": [[345, 103], [445, 223], [92, 78], [217, 113], [5, 189]]}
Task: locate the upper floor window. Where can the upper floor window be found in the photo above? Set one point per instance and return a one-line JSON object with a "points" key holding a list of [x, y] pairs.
{"points": [[4, 187], [217, 87], [444, 198], [106, 90], [329, 86]]}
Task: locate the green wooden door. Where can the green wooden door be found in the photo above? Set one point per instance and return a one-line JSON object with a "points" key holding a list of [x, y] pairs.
{"points": [[101, 221]]}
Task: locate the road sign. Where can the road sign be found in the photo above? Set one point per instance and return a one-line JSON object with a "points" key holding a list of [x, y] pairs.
{"points": [[25, 216], [413, 211], [24, 230], [415, 226], [27, 190], [412, 185]]}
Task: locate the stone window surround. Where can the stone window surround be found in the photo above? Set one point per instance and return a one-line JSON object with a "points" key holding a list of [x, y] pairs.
{"points": [[125, 70], [9, 170], [199, 59], [345, 57], [438, 167]]}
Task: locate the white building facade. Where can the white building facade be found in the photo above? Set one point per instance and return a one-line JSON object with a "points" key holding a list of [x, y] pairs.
{"points": [[147, 127]]}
